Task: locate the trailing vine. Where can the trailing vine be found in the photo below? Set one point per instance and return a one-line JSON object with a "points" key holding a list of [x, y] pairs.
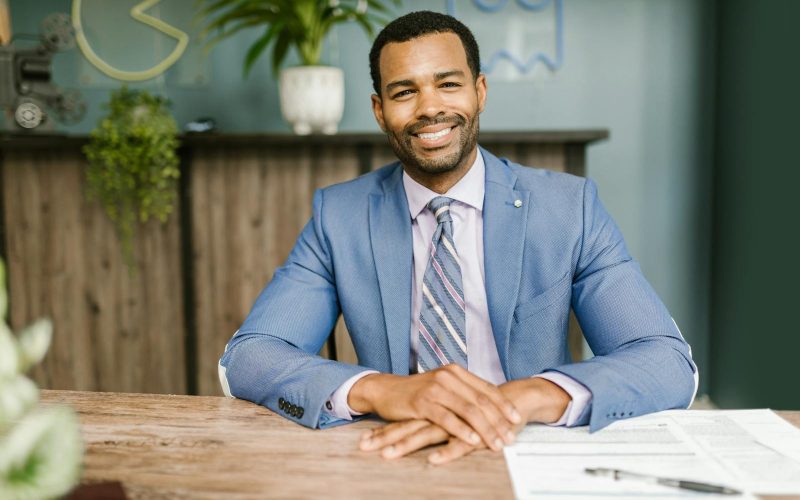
{"points": [[133, 163]]}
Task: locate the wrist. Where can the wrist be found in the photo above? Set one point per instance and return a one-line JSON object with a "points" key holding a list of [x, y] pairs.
{"points": [[361, 397], [538, 399]]}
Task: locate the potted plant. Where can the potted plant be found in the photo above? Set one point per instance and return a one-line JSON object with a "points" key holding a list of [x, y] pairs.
{"points": [[311, 95], [133, 164]]}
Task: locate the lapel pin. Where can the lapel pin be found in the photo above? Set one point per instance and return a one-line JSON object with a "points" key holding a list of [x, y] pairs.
{"points": [[517, 203]]}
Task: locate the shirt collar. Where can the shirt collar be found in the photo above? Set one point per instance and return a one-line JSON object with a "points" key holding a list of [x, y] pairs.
{"points": [[468, 190]]}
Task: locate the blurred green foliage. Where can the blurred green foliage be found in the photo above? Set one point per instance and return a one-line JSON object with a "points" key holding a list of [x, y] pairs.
{"points": [[40, 448], [301, 24]]}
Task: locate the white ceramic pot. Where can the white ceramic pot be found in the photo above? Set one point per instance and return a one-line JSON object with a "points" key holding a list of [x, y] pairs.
{"points": [[312, 98]]}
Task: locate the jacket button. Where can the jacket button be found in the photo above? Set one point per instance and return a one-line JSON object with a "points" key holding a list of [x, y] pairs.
{"points": [[328, 405], [281, 403], [300, 413]]}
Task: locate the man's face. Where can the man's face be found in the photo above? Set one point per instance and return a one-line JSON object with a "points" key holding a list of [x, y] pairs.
{"points": [[429, 103]]}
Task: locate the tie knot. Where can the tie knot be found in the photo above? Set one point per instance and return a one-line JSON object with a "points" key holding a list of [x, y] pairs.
{"points": [[440, 206]]}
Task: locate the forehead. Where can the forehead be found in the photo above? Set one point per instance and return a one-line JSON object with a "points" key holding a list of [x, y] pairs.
{"points": [[422, 57]]}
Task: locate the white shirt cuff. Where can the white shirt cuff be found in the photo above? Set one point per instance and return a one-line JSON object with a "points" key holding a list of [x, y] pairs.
{"points": [[337, 404], [580, 394]]}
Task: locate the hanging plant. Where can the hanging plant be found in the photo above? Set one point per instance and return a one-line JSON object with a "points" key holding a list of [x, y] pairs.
{"points": [[133, 164]]}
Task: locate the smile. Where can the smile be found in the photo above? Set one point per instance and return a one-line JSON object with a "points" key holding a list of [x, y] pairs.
{"points": [[435, 135]]}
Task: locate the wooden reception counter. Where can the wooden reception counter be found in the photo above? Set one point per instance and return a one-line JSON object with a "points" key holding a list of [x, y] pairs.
{"points": [[242, 202]]}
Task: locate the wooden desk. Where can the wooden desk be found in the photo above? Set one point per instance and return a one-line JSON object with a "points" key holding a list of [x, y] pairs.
{"points": [[162, 446]]}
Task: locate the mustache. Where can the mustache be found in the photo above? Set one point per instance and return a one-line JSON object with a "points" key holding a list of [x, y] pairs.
{"points": [[427, 122]]}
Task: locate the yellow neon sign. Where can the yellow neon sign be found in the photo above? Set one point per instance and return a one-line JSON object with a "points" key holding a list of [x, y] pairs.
{"points": [[137, 12]]}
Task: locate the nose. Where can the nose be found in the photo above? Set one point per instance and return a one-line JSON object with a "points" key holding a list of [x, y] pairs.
{"points": [[429, 104]]}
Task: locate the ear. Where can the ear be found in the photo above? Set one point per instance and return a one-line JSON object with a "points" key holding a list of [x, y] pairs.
{"points": [[377, 110], [480, 89]]}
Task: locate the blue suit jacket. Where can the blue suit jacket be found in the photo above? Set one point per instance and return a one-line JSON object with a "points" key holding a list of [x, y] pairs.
{"points": [[560, 249]]}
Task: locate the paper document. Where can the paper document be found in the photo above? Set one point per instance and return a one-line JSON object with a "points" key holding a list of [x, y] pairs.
{"points": [[754, 451]]}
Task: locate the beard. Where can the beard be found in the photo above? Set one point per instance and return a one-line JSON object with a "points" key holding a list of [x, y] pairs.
{"points": [[402, 145]]}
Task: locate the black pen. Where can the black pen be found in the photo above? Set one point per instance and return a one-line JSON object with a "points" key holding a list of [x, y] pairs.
{"points": [[664, 481]]}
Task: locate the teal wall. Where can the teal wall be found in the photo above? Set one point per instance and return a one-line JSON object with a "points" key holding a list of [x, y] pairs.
{"points": [[641, 68], [755, 334]]}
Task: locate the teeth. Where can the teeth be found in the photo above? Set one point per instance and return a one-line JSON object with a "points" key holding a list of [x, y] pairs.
{"points": [[435, 135]]}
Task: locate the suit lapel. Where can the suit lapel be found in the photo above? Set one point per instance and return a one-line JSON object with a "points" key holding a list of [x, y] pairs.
{"points": [[392, 247], [503, 241]]}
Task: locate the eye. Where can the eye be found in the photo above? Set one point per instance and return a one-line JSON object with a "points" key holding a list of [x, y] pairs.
{"points": [[402, 93], [450, 85]]}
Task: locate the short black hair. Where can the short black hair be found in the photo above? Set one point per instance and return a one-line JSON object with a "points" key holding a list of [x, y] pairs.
{"points": [[414, 25]]}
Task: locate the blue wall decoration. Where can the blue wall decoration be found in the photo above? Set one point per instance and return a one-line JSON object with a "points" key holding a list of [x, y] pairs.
{"points": [[522, 64]]}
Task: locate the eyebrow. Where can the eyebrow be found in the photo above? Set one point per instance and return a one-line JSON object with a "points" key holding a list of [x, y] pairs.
{"points": [[436, 77], [448, 74], [398, 83]]}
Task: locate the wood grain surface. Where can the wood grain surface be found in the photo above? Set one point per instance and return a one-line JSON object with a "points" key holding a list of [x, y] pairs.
{"points": [[209, 447], [161, 446], [114, 329], [248, 206]]}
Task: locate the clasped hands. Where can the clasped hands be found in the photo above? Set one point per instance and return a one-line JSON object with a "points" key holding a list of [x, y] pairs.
{"points": [[451, 405]]}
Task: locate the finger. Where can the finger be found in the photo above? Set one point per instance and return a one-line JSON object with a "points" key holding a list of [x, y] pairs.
{"points": [[377, 432], [486, 422], [390, 434], [429, 435], [458, 381], [368, 433], [453, 450], [489, 390], [501, 425], [451, 423]]}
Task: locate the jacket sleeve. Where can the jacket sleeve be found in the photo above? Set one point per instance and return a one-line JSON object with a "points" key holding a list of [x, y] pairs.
{"points": [[272, 360], [641, 362]]}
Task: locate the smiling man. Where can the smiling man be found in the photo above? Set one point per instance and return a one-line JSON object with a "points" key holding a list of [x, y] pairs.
{"points": [[455, 272]]}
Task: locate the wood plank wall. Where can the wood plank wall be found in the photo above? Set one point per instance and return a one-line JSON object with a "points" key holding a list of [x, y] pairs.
{"points": [[162, 329], [248, 206], [114, 331]]}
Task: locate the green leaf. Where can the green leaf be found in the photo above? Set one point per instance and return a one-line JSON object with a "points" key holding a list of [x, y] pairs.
{"points": [[225, 34], [377, 5], [218, 5], [279, 52], [258, 47], [365, 24], [304, 24], [247, 13]]}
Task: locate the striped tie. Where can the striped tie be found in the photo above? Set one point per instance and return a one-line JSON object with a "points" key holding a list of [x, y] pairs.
{"points": [[442, 332]]}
